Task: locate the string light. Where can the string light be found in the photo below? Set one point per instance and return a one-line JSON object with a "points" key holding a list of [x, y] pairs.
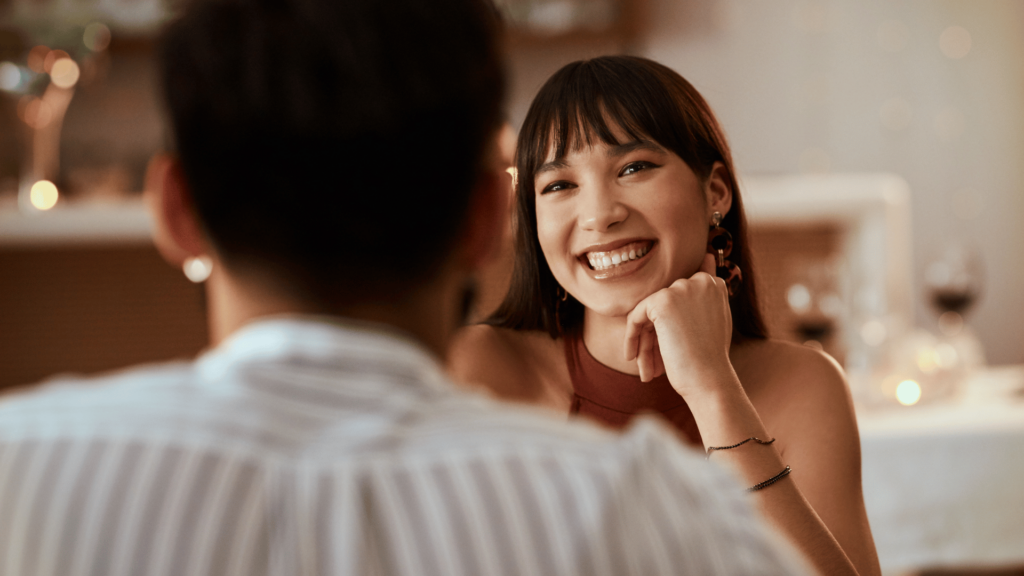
{"points": [[44, 195], [65, 73], [96, 37], [908, 392]]}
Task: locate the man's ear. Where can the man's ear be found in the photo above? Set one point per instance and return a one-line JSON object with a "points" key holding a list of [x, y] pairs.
{"points": [[718, 192], [486, 218], [176, 230]]}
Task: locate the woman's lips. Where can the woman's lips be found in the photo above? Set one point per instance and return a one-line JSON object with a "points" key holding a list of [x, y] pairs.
{"points": [[618, 262]]}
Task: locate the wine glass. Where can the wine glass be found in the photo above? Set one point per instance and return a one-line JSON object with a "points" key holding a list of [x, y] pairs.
{"points": [[953, 280]]}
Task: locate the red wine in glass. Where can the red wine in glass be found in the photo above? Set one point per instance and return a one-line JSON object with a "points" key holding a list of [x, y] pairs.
{"points": [[953, 299]]}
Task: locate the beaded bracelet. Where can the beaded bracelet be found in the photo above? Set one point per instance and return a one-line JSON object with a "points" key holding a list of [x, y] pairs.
{"points": [[770, 481], [737, 445]]}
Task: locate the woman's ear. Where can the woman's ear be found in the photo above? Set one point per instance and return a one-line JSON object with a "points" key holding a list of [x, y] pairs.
{"points": [[177, 233], [718, 192]]}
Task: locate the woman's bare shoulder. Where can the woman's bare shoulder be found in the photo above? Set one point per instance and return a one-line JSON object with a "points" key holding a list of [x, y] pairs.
{"points": [[512, 364], [793, 385], [777, 364]]}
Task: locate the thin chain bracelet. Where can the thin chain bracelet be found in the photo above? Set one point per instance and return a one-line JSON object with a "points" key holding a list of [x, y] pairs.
{"points": [[770, 481], [737, 445]]}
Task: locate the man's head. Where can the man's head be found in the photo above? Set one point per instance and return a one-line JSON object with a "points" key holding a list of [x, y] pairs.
{"points": [[332, 146]]}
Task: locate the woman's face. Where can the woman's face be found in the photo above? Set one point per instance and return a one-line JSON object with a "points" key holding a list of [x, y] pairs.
{"points": [[618, 223]]}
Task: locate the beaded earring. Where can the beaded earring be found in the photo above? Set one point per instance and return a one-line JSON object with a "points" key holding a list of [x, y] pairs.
{"points": [[720, 246]]}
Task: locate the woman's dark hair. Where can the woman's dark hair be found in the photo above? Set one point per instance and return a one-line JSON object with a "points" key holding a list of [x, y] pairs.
{"points": [[582, 101]]}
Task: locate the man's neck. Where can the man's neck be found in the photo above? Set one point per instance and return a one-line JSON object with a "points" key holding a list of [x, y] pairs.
{"points": [[430, 315]]}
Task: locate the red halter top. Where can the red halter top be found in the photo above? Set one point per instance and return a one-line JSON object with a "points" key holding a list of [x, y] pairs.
{"points": [[614, 397]]}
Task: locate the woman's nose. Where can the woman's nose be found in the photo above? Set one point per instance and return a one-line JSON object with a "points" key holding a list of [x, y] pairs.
{"points": [[600, 210]]}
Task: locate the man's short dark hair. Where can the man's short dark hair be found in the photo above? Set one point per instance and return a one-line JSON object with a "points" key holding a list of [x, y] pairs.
{"points": [[333, 143]]}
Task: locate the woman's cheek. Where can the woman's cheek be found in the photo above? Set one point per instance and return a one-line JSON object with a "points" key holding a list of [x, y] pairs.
{"points": [[555, 238]]}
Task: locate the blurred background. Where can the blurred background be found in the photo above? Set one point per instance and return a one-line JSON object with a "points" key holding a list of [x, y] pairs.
{"points": [[880, 146]]}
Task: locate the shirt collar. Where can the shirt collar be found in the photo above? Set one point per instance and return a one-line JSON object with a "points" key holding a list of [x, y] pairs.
{"points": [[326, 340]]}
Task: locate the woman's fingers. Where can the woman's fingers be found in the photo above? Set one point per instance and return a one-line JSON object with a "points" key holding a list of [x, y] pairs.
{"points": [[645, 361], [636, 322], [659, 362], [708, 264]]}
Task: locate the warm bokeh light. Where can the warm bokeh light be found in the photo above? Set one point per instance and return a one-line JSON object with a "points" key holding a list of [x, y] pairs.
{"points": [[36, 57], [96, 37], [798, 297], [955, 42], [873, 333], [52, 57], [64, 73], [43, 195], [10, 76], [198, 268], [908, 392], [34, 111], [927, 360]]}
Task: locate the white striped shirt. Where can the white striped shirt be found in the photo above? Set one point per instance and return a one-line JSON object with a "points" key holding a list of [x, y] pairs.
{"points": [[302, 447]]}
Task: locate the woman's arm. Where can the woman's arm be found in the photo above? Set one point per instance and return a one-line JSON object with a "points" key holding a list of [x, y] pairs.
{"points": [[805, 403], [686, 331], [807, 407]]}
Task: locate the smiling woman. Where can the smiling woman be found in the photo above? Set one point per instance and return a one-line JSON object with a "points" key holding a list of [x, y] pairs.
{"points": [[624, 180]]}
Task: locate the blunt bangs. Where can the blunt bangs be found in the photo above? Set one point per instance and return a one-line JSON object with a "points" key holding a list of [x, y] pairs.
{"points": [[584, 101]]}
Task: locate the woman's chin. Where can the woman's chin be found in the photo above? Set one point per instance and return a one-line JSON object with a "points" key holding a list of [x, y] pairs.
{"points": [[612, 308]]}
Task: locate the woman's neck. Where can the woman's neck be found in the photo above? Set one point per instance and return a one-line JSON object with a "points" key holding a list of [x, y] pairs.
{"points": [[604, 337]]}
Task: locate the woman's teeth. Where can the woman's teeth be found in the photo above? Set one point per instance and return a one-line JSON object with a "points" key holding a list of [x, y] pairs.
{"points": [[605, 260]]}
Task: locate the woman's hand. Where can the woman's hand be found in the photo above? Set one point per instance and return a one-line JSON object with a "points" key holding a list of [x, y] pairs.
{"points": [[684, 331]]}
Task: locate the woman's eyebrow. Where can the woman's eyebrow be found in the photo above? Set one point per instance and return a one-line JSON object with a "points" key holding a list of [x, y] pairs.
{"points": [[556, 164], [627, 147]]}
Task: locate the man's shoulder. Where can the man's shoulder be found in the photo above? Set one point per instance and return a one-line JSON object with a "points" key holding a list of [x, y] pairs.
{"points": [[62, 388], [71, 404]]}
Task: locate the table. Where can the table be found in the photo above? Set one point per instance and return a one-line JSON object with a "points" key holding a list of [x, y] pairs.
{"points": [[944, 483]]}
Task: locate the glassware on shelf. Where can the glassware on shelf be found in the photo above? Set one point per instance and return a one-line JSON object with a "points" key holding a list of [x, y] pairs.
{"points": [[924, 367]]}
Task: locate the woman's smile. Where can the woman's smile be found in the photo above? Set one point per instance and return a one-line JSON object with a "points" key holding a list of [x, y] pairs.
{"points": [[617, 261]]}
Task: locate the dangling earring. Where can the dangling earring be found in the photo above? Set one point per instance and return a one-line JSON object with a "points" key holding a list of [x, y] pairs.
{"points": [[560, 296], [197, 268], [720, 246]]}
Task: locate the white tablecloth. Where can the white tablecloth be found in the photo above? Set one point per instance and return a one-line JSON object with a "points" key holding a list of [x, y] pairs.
{"points": [[944, 483]]}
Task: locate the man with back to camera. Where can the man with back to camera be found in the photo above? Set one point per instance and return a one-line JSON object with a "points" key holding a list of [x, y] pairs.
{"points": [[334, 161]]}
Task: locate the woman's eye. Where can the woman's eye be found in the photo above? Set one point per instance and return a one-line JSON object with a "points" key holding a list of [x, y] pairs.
{"points": [[556, 186], [634, 167]]}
